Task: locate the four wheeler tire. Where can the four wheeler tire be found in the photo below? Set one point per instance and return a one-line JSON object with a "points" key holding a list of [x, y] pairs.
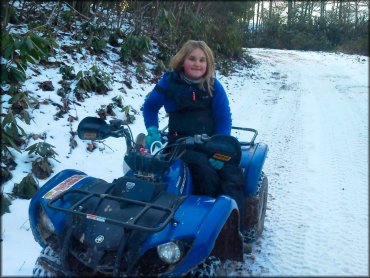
{"points": [[43, 269], [256, 211], [211, 267]]}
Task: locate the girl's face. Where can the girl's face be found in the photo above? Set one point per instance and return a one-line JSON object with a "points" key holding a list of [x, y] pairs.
{"points": [[195, 64]]}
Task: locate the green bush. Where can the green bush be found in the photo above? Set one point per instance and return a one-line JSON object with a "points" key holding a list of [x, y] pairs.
{"points": [[41, 166], [94, 80], [67, 72], [115, 36], [42, 149], [97, 43], [17, 50], [26, 188], [141, 70], [11, 132], [135, 47], [5, 203], [308, 41], [357, 46]]}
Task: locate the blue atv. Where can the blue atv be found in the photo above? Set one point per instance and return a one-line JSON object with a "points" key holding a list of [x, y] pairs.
{"points": [[148, 222]]}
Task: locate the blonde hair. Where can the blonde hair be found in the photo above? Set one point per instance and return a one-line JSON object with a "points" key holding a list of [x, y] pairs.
{"points": [[177, 61]]}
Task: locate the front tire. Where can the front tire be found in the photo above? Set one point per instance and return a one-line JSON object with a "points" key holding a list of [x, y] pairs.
{"points": [[43, 266], [256, 211], [211, 267]]}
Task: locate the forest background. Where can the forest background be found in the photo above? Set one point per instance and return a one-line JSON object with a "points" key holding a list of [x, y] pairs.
{"points": [[139, 29]]}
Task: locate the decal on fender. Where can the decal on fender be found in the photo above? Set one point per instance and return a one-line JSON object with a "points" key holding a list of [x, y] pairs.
{"points": [[63, 186]]}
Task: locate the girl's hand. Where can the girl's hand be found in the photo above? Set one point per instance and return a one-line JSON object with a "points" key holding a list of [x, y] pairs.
{"points": [[153, 135], [217, 164]]}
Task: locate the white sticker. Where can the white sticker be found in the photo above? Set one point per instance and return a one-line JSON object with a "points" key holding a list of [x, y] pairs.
{"points": [[63, 186]]}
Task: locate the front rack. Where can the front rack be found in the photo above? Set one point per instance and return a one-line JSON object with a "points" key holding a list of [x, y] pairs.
{"points": [[131, 223]]}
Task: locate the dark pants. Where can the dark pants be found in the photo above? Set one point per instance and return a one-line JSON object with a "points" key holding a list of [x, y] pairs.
{"points": [[208, 181]]}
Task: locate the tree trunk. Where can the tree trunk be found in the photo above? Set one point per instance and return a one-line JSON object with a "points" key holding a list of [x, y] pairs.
{"points": [[356, 13], [289, 13], [83, 7], [4, 14], [258, 10], [322, 9], [253, 22], [270, 11], [261, 20], [340, 11]]}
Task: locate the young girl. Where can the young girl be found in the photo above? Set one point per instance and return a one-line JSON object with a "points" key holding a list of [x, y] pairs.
{"points": [[197, 104]]}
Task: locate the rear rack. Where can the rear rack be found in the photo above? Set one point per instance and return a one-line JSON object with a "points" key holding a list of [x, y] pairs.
{"points": [[130, 223], [251, 143]]}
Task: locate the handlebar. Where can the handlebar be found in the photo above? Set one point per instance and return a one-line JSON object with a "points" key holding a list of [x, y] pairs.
{"points": [[92, 128], [193, 140]]}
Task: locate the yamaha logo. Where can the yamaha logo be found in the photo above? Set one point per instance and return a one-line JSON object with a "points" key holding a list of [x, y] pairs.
{"points": [[99, 239], [130, 185]]}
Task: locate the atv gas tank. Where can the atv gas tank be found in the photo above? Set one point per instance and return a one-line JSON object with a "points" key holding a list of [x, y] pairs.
{"points": [[178, 178]]}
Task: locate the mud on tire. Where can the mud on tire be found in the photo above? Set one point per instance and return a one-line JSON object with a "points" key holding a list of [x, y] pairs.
{"points": [[256, 211]]}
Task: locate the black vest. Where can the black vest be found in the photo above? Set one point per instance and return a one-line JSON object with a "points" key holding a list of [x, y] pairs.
{"points": [[193, 114]]}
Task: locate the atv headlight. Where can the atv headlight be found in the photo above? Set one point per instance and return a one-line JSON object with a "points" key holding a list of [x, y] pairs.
{"points": [[46, 222], [169, 252]]}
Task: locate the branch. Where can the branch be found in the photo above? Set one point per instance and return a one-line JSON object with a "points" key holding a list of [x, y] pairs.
{"points": [[77, 11], [47, 22]]}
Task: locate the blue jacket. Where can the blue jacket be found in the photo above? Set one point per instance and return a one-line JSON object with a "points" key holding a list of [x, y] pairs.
{"points": [[220, 106]]}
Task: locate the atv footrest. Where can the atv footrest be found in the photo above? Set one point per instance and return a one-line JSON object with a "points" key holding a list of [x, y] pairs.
{"points": [[75, 201]]}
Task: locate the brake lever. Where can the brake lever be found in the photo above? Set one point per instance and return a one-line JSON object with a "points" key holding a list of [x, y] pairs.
{"points": [[117, 133], [115, 124], [197, 139], [201, 138]]}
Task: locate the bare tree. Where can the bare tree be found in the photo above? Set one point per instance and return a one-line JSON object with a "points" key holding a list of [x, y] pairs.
{"points": [[289, 13], [4, 13], [257, 16], [270, 10], [322, 8]]}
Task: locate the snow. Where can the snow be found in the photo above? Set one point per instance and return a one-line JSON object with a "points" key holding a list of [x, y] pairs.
{"points": [[311, 108]]}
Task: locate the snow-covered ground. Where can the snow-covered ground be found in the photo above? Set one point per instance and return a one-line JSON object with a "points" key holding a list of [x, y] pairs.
{"points": [[311, 108]]}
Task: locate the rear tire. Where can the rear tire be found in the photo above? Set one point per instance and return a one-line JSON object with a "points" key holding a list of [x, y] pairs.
{"points": [[42, 268], [260, 204]]}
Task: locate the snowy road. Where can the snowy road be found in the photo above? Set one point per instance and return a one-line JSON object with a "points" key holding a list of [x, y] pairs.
{"points": [[312, 110]]}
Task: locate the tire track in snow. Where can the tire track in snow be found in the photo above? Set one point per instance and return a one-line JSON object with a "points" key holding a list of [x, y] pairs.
{"points": [[343, 193], [281, 128], [311, 224], [343, 197]]}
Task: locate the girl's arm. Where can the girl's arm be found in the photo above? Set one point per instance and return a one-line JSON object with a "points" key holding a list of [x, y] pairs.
{"points": [[153, 102], [221, 110]]}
